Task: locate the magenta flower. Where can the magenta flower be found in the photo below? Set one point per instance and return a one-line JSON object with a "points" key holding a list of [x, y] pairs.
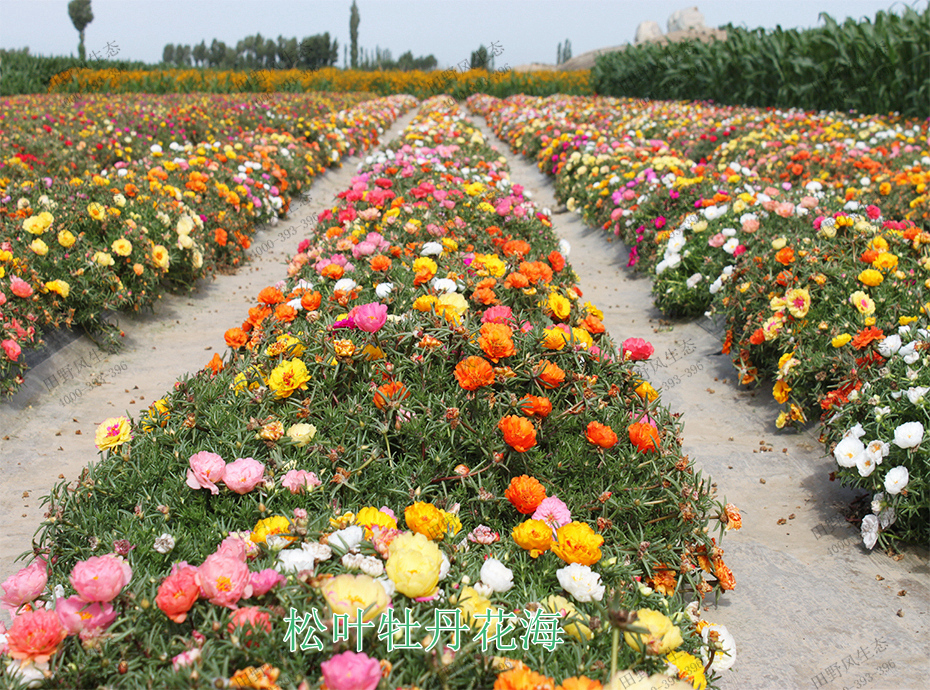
{"points": [[206, 469], [26, 585], [369, 317], [78, 616], [351, 671], [100, 578], [265, 580], [636, 349], [297, 481], [243, 475]]}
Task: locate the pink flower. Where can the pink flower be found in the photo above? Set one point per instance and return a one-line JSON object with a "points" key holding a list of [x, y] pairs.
{"points": [[77, 616], [234, 546], [20, 287], [224, 580], [553, 512], [351, 671], [100, 578], [644, 418], [265, 580], [498, 314], [872, 211], [243, 475], [12, 349], [808, 202], [251, 618], [717, 240], [25, 585], [369, 317], [636, 349], [35, 636], [2, 299], [297, 480], [740, 249], [206, 469], [185, 658], [482, 534]]}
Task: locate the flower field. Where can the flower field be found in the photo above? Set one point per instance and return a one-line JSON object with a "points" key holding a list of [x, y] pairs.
{"points": [[809, 232], [422, 462], [103, 208]]}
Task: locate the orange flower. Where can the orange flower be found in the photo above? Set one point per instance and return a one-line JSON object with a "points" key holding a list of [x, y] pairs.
{"points": [[522, 678], [866, 336], [311, 300], [868, 256], [390, 393], [270, 296], [536, 271], [534, 406], [731, 517], [525, 492], [576, 542], [557, 261], [379, 263], [592, 325], [285, 313], [485, 296], [549, 375], [474, 372], [644, 436], [519, 433], [516, 248], [783, 278], [723, 574], [516, 280], [663, 580], [496, 341], [601, 435], [580, 683], [215, 364], [757, 337], [334, 271], [220, 236], [785, 256], [235, 337]]}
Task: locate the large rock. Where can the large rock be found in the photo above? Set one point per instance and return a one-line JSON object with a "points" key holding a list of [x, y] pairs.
{"points": [[647, 31], [683, 20]]}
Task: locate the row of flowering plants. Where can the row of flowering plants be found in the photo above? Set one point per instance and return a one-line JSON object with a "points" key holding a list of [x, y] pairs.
{"points": [[101, 216], [421, 463], [809, 232]]}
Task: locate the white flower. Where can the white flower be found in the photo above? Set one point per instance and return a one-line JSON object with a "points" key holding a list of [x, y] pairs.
{"points": [[384, 289], [890, 345], [155, 148], [444, 285], [896, 479], [302, 558], [716, 286], [348, 538], [869, 531], [352, 561], [444, 566], [164, 543], [676, 243], [720, 639], [564, 248], [345, 284], [730, 246], [371, 566], [865, 464], [847, 451], [581, 582], [877, 450], [496, 575], [694, 280], [295, 303], [877, 501], [728, 232], [856, 431], [483, 590], [916, 394], [908, 435], [431, 248], [388, 585]]}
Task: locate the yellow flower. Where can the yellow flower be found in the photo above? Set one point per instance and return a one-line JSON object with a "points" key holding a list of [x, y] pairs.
{"points": [[781, 420], [489, 264], [646, 391], [241, 382], [871, 277], [113, 433], [451, 306], [562, 606], [371, 517], [841, 340], [301, 434], [690, 668], [779, 243], [372, 352], [534, 536], [554, 338], [122, 247], [560, 306], [277, 527], [904, 320], [591, 309], [798, 302], [58, 286], [287, 377], [286, 344], [473, 188], [661, 637], [103, 259], [39, 247], [65, 238], [781, 391], [450, 244], [413, 565], [33, 225], [576, 542], [96, 211], [160, 257], [886, 261], [472, 604], [347, 594], [879, 244], [862, 302], [425, 266], [425, 302], [426, 519]]}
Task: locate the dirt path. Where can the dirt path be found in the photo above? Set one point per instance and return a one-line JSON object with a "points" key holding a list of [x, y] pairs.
{"points": [[808, 596], [44, 437]]}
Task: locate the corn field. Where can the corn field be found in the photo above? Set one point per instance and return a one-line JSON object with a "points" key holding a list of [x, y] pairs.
{"points": [[872, 66]]}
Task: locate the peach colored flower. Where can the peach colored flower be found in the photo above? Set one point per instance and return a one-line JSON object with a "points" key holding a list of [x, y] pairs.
{"points": [[224, 580], [177, 594], [35, 636]]}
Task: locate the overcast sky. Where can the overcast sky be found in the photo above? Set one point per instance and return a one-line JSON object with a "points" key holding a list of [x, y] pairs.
{"points": [[526, 30]]}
